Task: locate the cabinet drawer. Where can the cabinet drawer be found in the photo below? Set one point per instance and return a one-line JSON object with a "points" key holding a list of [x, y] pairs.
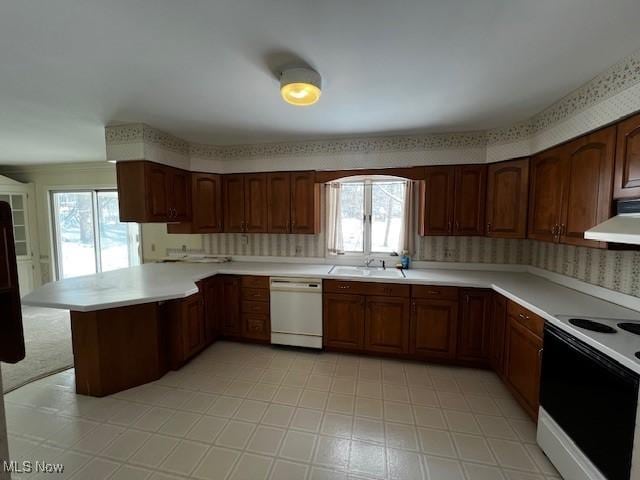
{"points": [[429, 291], [256, 326], [367, 288], [255, 294], [254, 281], [530, 320], [261, 308]]}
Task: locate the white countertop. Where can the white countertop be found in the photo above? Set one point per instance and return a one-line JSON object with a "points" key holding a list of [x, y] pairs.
{"points": [[165, 281]]}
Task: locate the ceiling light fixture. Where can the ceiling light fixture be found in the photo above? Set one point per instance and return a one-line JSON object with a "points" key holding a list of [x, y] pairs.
{"points": [[300, 86]]}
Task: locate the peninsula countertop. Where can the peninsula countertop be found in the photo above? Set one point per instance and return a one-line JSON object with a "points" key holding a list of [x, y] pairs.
{"points": [[156, 282]]}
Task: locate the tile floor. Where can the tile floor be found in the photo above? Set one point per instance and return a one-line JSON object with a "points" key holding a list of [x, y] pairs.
{"points": [[242, 411]]}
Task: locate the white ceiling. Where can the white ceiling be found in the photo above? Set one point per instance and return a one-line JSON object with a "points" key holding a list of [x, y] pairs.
{"points": [[203, 70]]}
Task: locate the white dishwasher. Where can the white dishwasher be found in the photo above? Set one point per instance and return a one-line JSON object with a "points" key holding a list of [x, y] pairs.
{"points": [[296, 312]]}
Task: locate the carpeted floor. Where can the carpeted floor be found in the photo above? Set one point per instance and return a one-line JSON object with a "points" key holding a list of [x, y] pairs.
{"points": [[47, 336]]}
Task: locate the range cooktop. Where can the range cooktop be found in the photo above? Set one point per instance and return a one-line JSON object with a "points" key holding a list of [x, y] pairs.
{"points": [[615, 336], [592, 325]]}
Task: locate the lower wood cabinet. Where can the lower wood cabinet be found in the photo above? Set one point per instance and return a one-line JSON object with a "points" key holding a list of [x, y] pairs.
{"points": [[386, 325], [474, 325], [343, 321], [211, 289], [255, 308], [187, 329], [230, 325], [433, 328], [498, 325], [523, 355]]}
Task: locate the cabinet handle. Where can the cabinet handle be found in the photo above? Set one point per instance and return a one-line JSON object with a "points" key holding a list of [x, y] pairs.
{"points": [[522, 316], [449, 227], [540, 353], [562, 229], [488, 227], [433, 292], [344, 287], [457, 226]]}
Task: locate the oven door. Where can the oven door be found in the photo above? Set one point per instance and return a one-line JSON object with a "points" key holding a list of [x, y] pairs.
{"points": [[593, 399]]}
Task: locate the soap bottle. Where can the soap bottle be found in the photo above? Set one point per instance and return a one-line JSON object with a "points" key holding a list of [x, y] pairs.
{"points": [[405, 260]]}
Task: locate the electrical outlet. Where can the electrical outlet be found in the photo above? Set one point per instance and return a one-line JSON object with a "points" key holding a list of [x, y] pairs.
{"points": [[153, 247], [244, 239], [184, 248], [450, 253], [298, 249]]}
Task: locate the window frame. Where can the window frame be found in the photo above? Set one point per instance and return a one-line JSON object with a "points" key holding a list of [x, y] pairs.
{"points": [[367, 220]]}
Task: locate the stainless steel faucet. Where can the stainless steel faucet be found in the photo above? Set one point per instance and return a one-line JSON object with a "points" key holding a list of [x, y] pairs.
{"points": [[368, 262]]}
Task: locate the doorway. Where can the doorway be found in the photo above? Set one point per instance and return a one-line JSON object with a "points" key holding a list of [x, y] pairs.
{"points": [[88, 235]]}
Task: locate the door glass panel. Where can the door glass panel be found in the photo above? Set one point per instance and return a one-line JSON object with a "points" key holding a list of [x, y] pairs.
{"points": [[352, 214], [74, 227], [16, 202], [18, 217], [387, 202], [21, 248], [116, 249]]}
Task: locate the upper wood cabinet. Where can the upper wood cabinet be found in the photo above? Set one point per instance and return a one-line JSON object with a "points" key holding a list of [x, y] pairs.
{"points": [[571, 189], [206, 206], [545, 194], [588, 196], [233, 199], [474, 325], [469, 204], [305, 203], [452, 200], [507, 195], [386, 327], [279, 201], [627, 165], [255, 203], [149, 192], [437, 201]]}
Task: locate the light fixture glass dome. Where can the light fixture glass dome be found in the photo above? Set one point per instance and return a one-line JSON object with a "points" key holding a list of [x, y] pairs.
{"points": [[300, 86]]}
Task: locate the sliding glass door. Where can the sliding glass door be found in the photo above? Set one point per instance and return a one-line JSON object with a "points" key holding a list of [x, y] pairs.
{"points": [[89, 236]]}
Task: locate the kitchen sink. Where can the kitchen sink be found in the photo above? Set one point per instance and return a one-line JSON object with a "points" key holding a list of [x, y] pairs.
{"points": [[367, 272]]}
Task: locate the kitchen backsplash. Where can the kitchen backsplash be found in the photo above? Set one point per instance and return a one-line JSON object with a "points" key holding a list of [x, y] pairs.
{"points": [[614, 270]]}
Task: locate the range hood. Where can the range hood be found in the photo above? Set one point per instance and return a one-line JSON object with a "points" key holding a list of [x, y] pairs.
{"points": [[623, 228]]}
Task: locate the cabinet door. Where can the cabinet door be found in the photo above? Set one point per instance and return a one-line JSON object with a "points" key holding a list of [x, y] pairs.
{"points": [[386, 327], [230, 315], [255, 203], [305, 203], [469, 203], [206, 203], [158, 198], [627, 170], [233, 203], [522, 366], [545, 194], [193, 328], [507, 194], [497, 333], [279, 203], [343, 321], [473, 327], [213, 306], [588, 192], [433, 328], [180, 194], [436, 201]]}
